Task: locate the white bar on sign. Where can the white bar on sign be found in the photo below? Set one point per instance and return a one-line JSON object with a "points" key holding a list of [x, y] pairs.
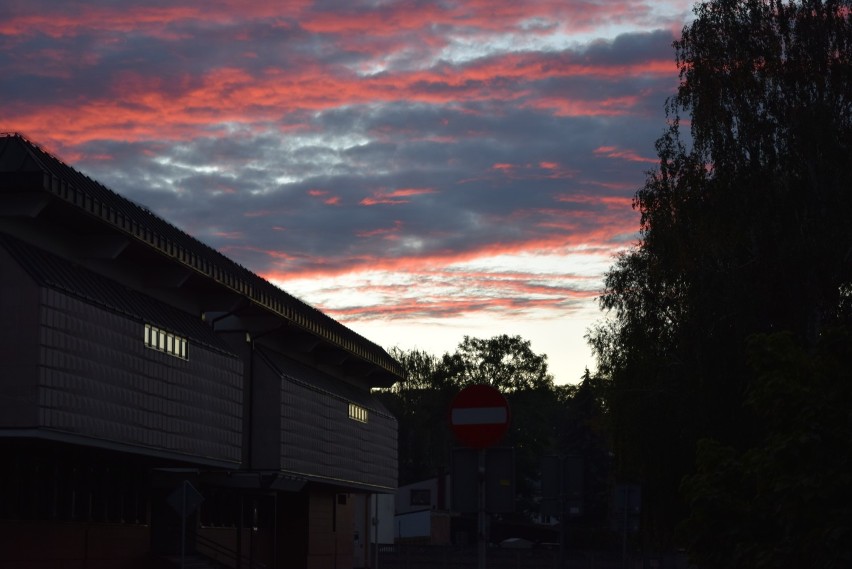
{"points": [[479, 416]]}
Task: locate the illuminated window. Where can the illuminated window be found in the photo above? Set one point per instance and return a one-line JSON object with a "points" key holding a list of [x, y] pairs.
{"points": [[162, 341], [357, 413]]}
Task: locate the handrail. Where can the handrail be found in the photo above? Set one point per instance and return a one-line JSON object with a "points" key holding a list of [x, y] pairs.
{"points": [[239, 560]]}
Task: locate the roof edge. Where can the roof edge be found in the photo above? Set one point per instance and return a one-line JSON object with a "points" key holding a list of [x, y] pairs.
{"points": [[133, 220]]}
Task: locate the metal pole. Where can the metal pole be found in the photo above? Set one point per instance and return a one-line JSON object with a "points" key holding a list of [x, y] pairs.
{"points": [[563, 518], [481, 517], [626, 502]]}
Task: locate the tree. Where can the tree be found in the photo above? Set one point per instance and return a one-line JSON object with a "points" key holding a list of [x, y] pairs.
{"points": [[746, 228], [581, 426], [421, 403], [547, 419], [790, 491], [505, 362]]}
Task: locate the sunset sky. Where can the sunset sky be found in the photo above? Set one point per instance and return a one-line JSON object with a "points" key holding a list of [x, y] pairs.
{"points": [[419, 170]]}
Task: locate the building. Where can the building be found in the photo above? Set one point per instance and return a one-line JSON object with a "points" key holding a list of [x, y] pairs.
{"points": [[147, 379], [423, 514]]}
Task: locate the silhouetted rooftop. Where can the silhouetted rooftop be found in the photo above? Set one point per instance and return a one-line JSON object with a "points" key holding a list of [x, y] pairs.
{"points": [[26, 168]]}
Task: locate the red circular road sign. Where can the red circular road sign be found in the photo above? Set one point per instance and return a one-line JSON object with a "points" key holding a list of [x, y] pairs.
{"points": [[479, 416]]}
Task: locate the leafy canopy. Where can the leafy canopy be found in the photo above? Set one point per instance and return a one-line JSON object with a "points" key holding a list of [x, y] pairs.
{"points": [[746, 228]]}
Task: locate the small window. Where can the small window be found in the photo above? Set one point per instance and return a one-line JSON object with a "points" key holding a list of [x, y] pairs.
{"points": [[163, 341], [357, 413]]}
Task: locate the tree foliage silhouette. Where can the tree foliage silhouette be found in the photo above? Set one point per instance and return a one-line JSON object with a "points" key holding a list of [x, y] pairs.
{"points": [[546, 418], [422, 401], [746, 228]]}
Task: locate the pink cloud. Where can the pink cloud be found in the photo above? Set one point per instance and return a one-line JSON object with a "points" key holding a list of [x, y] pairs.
{"points": [[325, 196], [395, 197], [229, 234], [484, 15], [629, 155], [542, 170], [617, 203], [500, 293], [138, 107], [386, 233], [591, 232]]}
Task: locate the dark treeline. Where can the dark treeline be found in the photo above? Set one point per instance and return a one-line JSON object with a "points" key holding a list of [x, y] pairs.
{"points": [[547, 420], [727, 351], [724, 382]]}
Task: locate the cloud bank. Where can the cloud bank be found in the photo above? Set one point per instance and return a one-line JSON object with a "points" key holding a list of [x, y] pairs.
{"points": [[394, 163]]}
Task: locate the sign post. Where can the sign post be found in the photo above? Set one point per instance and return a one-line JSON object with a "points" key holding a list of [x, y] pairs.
{"points": [[479, 418], [184, 500]]}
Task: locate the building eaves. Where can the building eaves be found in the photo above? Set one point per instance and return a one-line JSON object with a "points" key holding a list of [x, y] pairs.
{"points": [[53, 272], [313, 379], [35, 169]]}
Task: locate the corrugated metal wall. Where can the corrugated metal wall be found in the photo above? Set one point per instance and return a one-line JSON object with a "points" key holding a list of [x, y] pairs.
{"points": [[319, 439], [18, 354], [98, 379]]}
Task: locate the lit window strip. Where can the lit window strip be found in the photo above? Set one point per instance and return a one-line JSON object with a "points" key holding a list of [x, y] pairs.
{"points": [[162, 341], [357, 413]]}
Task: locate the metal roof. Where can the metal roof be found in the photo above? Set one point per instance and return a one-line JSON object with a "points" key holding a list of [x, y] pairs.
{"points": [[26, 167], [54, 272]]}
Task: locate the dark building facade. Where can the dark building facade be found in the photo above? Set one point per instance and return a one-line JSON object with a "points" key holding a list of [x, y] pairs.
{"points": [[159, 400]]}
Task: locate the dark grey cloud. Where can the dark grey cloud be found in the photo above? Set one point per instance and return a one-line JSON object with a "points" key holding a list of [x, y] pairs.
{"points": [[631, 48], [500, 149], [360, 133], [259, 196]]}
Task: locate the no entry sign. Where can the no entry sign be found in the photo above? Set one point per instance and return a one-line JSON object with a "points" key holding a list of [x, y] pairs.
{"points": [[479, 416]]}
